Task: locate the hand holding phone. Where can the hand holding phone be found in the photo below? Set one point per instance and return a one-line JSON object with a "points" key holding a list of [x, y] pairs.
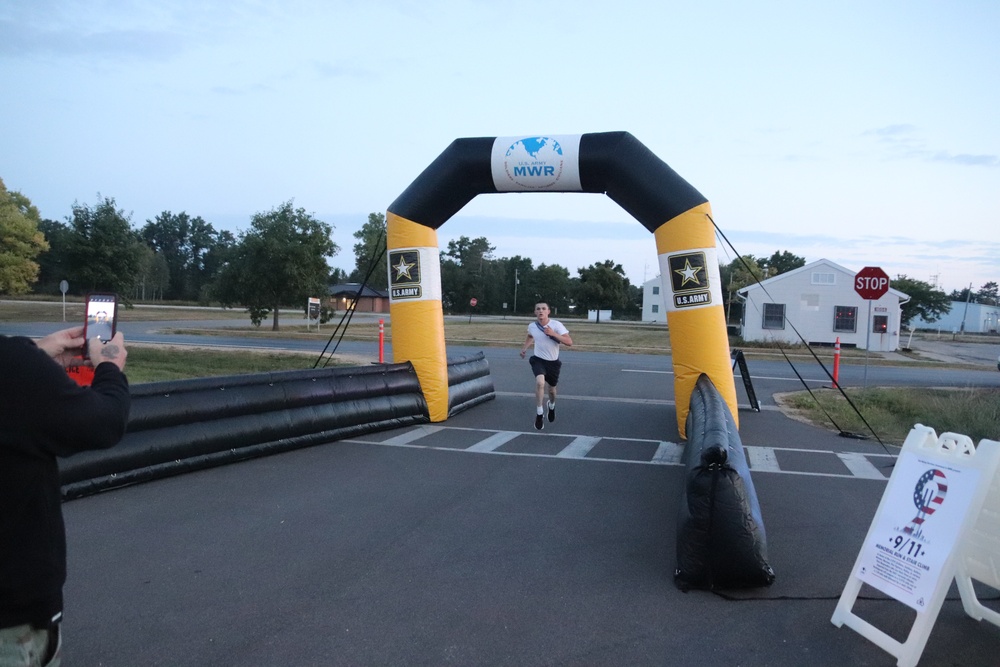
{"points": [[113, 351], [101, 317]]}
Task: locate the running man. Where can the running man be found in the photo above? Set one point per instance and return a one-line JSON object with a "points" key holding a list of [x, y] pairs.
{"points": [[547, 334]]}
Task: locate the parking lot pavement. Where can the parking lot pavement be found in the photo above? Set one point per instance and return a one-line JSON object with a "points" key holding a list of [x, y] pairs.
{"points": [[480, 542], [942, 348]]}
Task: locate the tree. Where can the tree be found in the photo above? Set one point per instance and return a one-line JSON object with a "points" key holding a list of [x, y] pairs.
{"points": [[154, 274], [212, 262], [280, 260], [186, 245], [925, 302], [781, 262], [519, 283], [371, 247], [736, 275], [20, 242], [54, 263], [337, 276], [602, 285], [988, 294], [104, 251], [463, 271], [553, 286], [964, 294]]}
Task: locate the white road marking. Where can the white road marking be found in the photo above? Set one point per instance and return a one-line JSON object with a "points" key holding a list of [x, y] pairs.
{"points": [[762, 459], [415, 434], [752, 377], [859, 465], [668, 453], [494, 441], [579, 448]]}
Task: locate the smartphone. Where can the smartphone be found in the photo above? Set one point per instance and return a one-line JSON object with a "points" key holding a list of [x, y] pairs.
{"points": [[101, 318]]}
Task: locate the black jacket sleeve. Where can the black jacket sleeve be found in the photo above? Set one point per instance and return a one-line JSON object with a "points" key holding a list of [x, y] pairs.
{"points": [[43, 411]]}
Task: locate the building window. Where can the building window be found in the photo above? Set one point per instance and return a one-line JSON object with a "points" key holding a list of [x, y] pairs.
{"points": [[880, 324], [774, 316], [824, 279], [845, 318], [656, 307], [656, 290]]}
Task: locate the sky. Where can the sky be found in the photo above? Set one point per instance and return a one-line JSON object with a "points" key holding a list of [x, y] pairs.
{"points": [[863, 132]]}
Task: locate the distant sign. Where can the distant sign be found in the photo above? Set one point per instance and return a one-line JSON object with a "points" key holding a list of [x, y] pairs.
{"points": [[871, 283], [473, 301]]}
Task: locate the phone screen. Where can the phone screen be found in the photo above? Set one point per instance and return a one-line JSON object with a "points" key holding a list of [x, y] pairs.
{"points": [[101, 316]]}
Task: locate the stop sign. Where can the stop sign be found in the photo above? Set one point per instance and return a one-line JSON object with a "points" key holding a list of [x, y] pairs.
{"points": [[473, 301], [871, 283]]}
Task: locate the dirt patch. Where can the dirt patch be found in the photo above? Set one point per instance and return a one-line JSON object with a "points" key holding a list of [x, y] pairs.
{"points": [[784, 403]]}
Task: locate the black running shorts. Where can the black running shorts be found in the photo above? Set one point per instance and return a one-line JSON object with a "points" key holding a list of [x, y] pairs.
{"points": [[550, 369]]}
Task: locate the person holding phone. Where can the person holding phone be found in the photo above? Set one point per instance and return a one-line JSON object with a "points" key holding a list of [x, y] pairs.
{"points": [[45, 415], [547, 335]]}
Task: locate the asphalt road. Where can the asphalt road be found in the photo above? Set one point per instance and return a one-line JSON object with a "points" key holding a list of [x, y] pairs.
{"points": [[479, 541]]}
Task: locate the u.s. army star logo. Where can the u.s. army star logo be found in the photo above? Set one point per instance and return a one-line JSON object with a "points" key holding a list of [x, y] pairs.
{"points": [[689, 280], [404, 274]]}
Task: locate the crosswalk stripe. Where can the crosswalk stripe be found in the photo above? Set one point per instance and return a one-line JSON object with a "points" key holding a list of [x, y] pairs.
{"points": [[668, 452], [860, 466], [414, 434], [491, 443], [579, 448], [762, 459]]}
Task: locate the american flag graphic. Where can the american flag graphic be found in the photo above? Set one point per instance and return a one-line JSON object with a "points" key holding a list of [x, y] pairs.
{"points": [[928, 495]]}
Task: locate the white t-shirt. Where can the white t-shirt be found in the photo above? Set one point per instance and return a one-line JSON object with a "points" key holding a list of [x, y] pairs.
{"points": [[545, 347]]}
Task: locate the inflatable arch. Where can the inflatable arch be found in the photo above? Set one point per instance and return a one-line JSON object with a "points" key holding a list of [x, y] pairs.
{"points": [[613, 163]]}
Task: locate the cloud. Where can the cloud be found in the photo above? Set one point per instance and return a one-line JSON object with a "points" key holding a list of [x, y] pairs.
{"points": [[230, 91], [890, 132], [905, 142], [965, 159], [336, 71], [18, 41]]}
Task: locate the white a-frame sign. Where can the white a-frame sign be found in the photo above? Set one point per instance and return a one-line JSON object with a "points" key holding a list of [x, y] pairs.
{"points": [[938, 519]]}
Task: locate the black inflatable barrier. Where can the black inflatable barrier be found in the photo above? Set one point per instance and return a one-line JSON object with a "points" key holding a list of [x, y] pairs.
{"points": [[185, 425], [469, 382], [721, 541]]}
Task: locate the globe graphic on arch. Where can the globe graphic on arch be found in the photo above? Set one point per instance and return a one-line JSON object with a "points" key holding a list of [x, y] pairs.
{"points": [[534, 162]]}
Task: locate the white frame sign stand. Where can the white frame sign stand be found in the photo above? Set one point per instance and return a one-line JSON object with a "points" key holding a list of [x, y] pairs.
{"points": [[938, 520], [314, 305]]}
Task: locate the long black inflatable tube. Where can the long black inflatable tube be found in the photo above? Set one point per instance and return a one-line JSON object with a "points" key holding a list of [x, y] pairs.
{"points": [[721, 542], [186, 425], [613, 163], [469, 383]]}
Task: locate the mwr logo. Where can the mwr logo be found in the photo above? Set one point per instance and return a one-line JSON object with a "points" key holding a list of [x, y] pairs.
{"points": [[689, 280], [534, 162], [404, 274]]}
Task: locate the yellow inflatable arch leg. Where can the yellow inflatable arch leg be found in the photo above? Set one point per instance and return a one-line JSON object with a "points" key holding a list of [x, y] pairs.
{"points": [[415, 308], [699, 341]]}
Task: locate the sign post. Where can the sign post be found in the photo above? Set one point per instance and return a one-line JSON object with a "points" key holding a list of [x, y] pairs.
{"points": [[313, 309], [64, 287], [871, 283], [472, 304]]}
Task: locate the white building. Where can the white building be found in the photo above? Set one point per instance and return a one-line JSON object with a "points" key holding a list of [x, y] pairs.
{"points": [[965, 318], [819, 302], [653, 307]]}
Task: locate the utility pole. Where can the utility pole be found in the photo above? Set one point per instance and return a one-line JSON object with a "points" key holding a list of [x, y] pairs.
{"points": [[516, 281], [967, 299]]}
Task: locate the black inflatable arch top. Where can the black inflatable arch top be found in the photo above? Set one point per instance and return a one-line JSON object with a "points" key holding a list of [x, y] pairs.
{"points": [[612, 163]]}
